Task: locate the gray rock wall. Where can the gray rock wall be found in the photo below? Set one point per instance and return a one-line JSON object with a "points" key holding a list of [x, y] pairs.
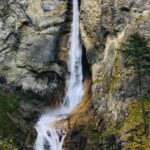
{"points": [[29, 43], [34, 41], [105, 25]]}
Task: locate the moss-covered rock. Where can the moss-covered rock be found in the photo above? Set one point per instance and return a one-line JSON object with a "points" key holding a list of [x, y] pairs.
{"points": [[123, 133], [132, 131], [17, 117], [7, 144], [9, 102]]}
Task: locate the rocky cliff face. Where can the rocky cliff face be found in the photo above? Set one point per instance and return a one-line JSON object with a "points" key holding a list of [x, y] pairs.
{"points": [[34, 41], [34, 37], [105, 25], [30, 31]]}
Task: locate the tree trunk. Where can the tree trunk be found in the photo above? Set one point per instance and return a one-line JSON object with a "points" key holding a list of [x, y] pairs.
{"points": [[141, 96]]}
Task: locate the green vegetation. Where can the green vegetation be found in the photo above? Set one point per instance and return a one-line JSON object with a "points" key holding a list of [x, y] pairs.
{"points": [[112, 81], [136, 127], [7, 144], [130, 131], [132, 128], [8, 103], [94, 136], [116, 73], [137, 55]]}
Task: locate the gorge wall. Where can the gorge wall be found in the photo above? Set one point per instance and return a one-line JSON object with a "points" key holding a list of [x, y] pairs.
{"points": [[118, 124], [34, 40], [34, 43], [105, 25]]}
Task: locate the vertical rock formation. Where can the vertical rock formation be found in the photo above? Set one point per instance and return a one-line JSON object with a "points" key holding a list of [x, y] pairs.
{"points": [[34, 42], [105, 25], [29, 43]]}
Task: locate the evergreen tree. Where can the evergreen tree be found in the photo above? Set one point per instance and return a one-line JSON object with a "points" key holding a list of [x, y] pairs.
{"points": [[137, 54]]}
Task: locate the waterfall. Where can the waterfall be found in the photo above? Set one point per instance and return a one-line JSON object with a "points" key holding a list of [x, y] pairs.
{"points": [[75, 86], [50, 132]]}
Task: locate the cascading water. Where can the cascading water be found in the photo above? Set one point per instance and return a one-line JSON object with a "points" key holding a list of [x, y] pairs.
{"points": [[50, 133], [75, 86]]}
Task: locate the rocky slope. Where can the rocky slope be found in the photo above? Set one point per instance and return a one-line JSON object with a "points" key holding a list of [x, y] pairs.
{"points": [[34, 42]]}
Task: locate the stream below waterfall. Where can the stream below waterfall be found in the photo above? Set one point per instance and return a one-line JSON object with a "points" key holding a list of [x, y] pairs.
{"points": [[51, 134]]}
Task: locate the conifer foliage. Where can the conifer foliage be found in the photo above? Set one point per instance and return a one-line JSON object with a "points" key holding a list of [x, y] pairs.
{"points": [[137, 54]]}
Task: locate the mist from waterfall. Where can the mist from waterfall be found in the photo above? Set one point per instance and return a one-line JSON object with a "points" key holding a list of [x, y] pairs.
{"points": [[50, 132]]}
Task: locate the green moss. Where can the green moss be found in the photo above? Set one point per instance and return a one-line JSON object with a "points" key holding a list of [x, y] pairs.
{"points": [[116, 73], [115, 78], [7, 144], [9, 103], [139, 19], [111, 129], [133, 126], [135, 114], [130, 130], [94, 136]]}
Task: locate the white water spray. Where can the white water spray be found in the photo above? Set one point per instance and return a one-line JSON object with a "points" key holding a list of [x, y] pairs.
{"points": [[50, 133]]}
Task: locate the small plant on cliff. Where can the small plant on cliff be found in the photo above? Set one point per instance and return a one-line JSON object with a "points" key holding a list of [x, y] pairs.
{"points": [[137, 55]]}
